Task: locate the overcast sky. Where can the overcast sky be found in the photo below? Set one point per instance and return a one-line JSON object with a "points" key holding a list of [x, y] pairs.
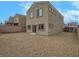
{"points": [[69, 9]]}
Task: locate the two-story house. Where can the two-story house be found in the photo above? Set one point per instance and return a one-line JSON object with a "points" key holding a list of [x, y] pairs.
{"points": [[17, 20], [71, 27], [44, 19]]}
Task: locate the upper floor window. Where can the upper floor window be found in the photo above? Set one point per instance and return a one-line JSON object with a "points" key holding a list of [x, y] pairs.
{"points": [[53, 11], [16, 19], [50, 9], [40, 12], [31, 15]]}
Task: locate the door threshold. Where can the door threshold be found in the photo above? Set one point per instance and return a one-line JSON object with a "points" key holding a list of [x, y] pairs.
{"points": [[33, 33]]}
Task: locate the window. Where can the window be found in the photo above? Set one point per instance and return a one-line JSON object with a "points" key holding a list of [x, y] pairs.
{"points": [[40, 12], [50, 9], [29, 27], [51, 25], [53, 11], [31, 15], [16, 20], [41, 26]]}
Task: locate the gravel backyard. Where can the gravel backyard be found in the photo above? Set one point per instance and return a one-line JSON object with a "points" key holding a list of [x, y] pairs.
{"points": [[28, 45]]}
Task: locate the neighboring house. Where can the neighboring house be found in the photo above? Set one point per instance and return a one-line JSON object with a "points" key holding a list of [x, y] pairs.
{"points": [[10, 21], [72, 24], [44, 19], [17, 20], [71, 27]]}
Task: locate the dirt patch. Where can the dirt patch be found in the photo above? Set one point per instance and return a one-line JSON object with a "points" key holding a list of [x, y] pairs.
{"points": [[24, 44]]}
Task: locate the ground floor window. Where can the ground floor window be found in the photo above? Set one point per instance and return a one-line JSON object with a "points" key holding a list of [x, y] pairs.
{"points": [[29, 27], [51, 25], [41, 26]]}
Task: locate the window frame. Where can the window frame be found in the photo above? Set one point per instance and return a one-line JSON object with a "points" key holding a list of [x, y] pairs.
{"points": [[52, 11], [51, 25], [39, 12], [41, 27]]}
